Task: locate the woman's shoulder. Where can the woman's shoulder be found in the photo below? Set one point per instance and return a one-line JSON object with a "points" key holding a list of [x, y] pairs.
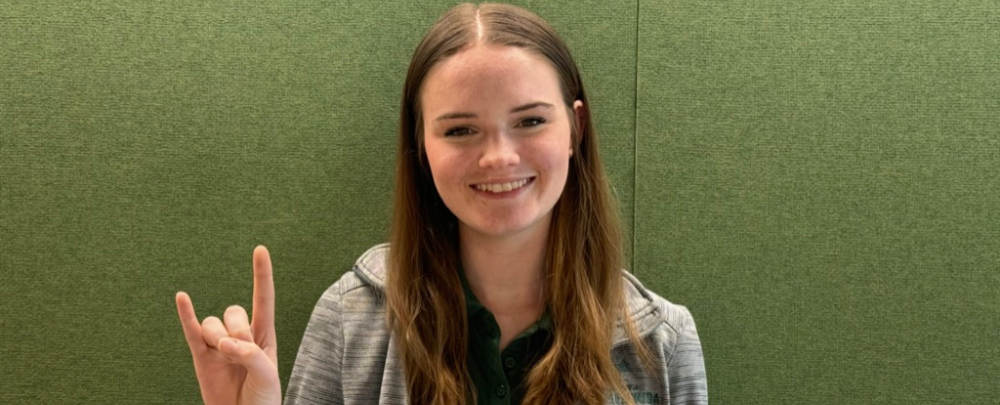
{"points": [[361, 288], [651, 312], [368, 271], [669, 331], [370, 267]]}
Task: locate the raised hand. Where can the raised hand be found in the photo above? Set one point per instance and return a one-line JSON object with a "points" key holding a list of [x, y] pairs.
{"points": [[236, 361]]}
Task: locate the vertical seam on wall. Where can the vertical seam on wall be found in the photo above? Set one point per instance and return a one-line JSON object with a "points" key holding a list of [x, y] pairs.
{"points": [[635, 144]]}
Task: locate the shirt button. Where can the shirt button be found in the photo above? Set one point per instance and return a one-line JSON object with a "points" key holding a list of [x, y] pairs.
{"points": [[509, 362], [501, 391]]}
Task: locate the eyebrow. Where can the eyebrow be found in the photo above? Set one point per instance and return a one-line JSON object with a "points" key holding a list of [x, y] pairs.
{"points": [[525, 107]]}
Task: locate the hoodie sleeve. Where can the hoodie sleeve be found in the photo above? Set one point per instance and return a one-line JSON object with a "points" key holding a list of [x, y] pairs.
{"points": [[316, 375], [686, 366]]}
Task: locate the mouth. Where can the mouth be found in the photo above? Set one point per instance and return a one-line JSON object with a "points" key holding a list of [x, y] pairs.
{"points": [[503, 188]]}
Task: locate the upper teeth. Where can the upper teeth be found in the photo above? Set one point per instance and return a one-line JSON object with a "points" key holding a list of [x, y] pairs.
{"points": [[502, 187]]}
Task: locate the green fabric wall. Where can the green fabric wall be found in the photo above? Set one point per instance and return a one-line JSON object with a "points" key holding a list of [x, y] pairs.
{"points": [[817, 181]]}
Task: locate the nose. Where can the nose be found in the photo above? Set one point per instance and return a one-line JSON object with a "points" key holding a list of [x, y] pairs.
{"points": [[500, 151]]}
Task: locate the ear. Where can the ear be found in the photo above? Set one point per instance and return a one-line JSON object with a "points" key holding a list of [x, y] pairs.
{"points": [[580, 119]]}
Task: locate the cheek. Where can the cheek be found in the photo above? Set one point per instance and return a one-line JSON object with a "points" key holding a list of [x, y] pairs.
{"points": [[560, 167], [443, 164], [554, 155]]}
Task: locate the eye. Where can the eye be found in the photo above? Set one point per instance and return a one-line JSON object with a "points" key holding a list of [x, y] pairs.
{"points": [[532, 121], [458, 131]]}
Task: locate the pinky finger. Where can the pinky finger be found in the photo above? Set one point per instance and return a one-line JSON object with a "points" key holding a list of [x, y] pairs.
{"points": [[189, 322]]}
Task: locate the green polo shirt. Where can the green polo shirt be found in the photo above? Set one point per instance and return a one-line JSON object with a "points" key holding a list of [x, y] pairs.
{"points": [[499, 376]]}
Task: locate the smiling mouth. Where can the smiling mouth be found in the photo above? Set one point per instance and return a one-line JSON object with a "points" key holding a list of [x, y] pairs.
{"points": [[503, 187]]}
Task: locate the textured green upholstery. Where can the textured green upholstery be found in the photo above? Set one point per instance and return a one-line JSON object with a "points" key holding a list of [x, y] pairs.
{"points": [[817, 181]]}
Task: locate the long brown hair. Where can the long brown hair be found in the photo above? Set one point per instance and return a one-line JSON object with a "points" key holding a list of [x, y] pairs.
{"points": [[583, 259]]}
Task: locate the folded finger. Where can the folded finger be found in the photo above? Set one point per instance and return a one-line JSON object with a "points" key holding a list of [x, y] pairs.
{"points": [[189, 322], [212, 330], [237, 323]]}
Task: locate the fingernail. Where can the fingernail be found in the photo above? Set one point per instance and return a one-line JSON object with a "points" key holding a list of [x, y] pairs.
{"points": [[227, 344]]}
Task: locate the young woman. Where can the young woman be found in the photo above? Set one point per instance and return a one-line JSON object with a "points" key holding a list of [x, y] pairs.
{"points": [[503, 280]]}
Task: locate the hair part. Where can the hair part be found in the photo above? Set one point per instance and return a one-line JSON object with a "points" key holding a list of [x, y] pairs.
{"points": [[583, 259]]}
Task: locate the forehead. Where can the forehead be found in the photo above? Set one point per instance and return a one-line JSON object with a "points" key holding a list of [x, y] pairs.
{"points": [[489, 73]]}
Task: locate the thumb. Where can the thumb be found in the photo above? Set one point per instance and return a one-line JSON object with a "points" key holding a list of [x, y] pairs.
{"points": [[261, 372]]}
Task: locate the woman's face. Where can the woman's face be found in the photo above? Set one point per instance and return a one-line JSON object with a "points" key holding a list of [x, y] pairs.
{"points": [[497, 138]]}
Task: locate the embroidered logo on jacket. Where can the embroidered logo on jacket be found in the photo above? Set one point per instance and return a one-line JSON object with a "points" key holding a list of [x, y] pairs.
{"points": [[640, 397]]}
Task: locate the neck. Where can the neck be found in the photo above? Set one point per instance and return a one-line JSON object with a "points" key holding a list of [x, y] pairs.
{"points": [[505, 272]]}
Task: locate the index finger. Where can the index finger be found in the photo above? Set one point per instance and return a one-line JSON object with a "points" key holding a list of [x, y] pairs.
{"points": [[263, 294]]}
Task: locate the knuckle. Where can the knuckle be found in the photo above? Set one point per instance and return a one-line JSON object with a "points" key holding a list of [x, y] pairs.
{"points": [[235, 309], [240, 333], [235, 314], [210, 321], [242, 350]]}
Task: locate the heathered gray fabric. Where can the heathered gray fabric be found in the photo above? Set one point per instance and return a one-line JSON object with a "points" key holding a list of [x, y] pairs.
{"points": [[348, 356]]}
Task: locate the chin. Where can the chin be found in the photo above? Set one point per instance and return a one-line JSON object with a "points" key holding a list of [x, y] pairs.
{"points": [[505, 227]]}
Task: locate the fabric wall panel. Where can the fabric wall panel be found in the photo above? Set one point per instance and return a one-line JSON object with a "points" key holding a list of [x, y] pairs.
{"points": [[817, 182]]}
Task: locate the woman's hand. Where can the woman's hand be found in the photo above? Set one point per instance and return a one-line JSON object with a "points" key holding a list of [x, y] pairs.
{"points": [[236, 361]]}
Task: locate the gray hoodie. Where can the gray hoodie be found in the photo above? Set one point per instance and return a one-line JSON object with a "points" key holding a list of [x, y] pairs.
{"points": [[348, 355]]}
